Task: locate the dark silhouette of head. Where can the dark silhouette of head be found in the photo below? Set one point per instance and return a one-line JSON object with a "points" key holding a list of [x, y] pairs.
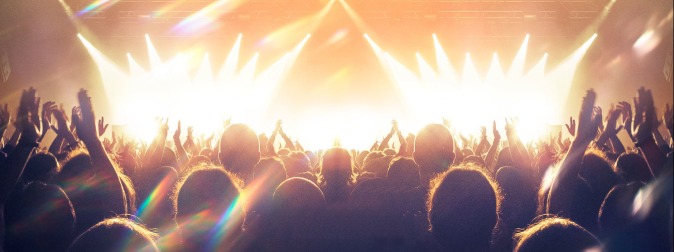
{"points": [[434, 151], [239, 150], [41, 218], [462, 209], [632, 167], [203, 198], [267, 175], [169, 158], [336, 175], [517, 207], [336, 167], [615, 213], [504, 158], [296, 162], [298, 195], [116, 234], [378, 166], [478, 161], [154, 191], [555, 234], [40, 167], [599, 176], [403, 171]]}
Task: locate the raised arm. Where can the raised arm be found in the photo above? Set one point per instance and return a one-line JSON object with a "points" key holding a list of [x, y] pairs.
{"points": [[16, 161], [288, 142], [611, 130], [5, 117], [384, 142], [643, 125], [182, 154], [490, 160], [105, 171], [563, 185], [483, 142], [156, 151]]}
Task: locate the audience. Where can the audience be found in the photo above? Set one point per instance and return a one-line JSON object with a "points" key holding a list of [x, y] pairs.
{"points": [[87, 192]]}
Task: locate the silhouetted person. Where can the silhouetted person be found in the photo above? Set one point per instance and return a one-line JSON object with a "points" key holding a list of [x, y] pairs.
{"points": [[555, 234], [40, 218], [462, 209], [239, 150], [40, 167], [433, 151], [207, 212], [115, 234], [336, 176]]}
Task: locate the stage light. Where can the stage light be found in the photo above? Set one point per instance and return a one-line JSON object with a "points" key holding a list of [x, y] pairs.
{"points": [[536, 99], [517, 67], [153, 55], [445, 69], [495, 73], [168, 91], [228, 69], [470, 75]]}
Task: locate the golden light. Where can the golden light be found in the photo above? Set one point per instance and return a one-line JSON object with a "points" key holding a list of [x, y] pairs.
{"points": [[532, 96], [168, 90]]}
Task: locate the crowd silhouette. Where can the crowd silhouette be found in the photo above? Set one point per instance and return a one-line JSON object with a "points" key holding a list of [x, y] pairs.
{"points": [[436, 191]]}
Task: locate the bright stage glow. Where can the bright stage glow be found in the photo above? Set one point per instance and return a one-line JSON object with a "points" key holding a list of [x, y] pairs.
{"points": [[168, 90], [535, 97]]}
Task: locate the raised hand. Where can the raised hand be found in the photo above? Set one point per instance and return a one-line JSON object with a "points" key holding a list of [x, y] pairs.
{"points": [[176, 134], [668, 118], [588, 119], [85, 122], [5, 118], [626, 110], [27, 121], [571, 126], [497, 136], [102, 126], [644, 119], [278, 126], [597, 112], [47, 111], [612, 120], [76, 111]]}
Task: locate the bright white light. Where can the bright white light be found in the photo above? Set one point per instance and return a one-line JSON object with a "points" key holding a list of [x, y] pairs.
{"points": [[168, 90], [536, 98]]}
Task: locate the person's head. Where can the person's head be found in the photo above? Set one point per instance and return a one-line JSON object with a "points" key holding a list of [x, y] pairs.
{"points": [[371, 156], [476, 160], [336, 168], [41, 218], [632, 167], [239, 150], [267, 175], [202, 198], [433, 149], [297, 195], [79, 164], [40, 167], [598, 172], [555, 234], [462, 209], [403, 171], [615, 213], [169, 158], [378, 166], [518, 205], [504, 158], [115, 234], [154, 191], [297, 162]]}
